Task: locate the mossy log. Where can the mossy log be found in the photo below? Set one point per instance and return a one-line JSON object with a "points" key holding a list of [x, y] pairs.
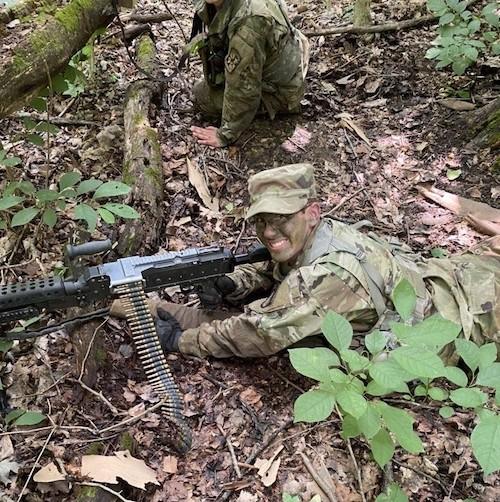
{"points": [[23, 8], [142, 168], [484, 126], [25, 69]]}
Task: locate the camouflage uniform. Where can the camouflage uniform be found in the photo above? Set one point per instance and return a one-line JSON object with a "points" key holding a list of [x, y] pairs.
{"points": [[262, 63], [340, 269], [344, 270]]}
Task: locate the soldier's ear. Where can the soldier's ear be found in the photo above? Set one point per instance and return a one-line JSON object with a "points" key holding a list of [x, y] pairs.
{"points": [[313, 213]]}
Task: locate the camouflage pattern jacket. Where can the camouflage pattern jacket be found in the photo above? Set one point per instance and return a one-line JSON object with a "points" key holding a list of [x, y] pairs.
{"points": [[332, 274], [263, 61]]}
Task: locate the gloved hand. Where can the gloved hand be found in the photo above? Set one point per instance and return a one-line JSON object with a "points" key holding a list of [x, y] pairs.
{"points": [[169, 331], [212, 293]]}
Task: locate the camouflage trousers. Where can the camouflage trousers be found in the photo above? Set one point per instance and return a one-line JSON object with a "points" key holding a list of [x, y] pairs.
{"points": [[210, 101]]}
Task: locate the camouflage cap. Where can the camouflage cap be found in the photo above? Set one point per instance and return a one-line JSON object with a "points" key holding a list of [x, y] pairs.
{"points": [[283, 190]]}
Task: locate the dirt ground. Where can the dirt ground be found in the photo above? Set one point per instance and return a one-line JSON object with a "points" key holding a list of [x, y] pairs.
{"points": [[374, 109]]}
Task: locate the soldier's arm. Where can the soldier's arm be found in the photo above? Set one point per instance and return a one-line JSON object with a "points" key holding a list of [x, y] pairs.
{"points": [[295, 312], [243, 74], [251, 278]]}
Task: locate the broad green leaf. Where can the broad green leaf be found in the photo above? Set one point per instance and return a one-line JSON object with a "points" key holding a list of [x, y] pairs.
{"points": [[356, 385], [36, 139], [287, 497], [337, 376], [382, 447], [432, 53], [490, 376], [68, 180], [39, 104], [436, 5], [29, 123], [352, 403], [369, 422], [111, 189], [485, 440], [356, 361], [471, 52], [375, 342], [47, 127], [61, 204], [89, 185], [375, 389], [446, 411], [122, 210], [420, 391], [24, 216], [59, 84], [469, 352], [13, 415], [434, 333], [87, 213], [11, 162], [313, 406], [460, 65], [49, 217], [404, 299], [350, 427], [3, 224], [337, 330], [10, 201], [314, 363], [30, 418], [438, 394], [456, 375], [487, 355], [394, 493], [453, 174], [468, 398], [490, 14], [106, 215], [5, 345], [438, 252], [68, 193], [45, 195], [389, 374], [418, 361], [446, 18], [26, 187], [400, 423]]}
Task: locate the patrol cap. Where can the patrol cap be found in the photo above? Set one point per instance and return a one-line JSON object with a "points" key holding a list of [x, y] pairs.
{"points": [[282, 190]]}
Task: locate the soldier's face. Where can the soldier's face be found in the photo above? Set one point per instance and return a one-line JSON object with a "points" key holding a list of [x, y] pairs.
{"points": [[286, 235]]}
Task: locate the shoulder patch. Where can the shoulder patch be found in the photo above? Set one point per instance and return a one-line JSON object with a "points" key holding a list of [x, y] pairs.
{"points": [[233, 59]]}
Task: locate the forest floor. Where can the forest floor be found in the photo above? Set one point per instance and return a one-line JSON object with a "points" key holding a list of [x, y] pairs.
{"points": [[396, 130]]}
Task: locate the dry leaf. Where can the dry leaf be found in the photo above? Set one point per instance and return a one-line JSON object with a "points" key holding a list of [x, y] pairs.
{"points": [[6, 448], [495, 192], [129, 396], [264, 465], [457, 104], [49, 474], [182, 221], [372, 85], [170, 464], [197, 179], [270, 476], [347, 121], [297, 141], [246, 497], [106, 469], [345, 80], [375, 103], [6, 466], [250, 396]]}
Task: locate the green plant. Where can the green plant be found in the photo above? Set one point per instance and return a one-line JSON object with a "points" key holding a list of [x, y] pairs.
{"points": [[463, 36], [23, 417], [355, 384], [21, 203]]}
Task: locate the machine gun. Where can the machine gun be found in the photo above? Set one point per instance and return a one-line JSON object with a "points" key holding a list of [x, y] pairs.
{"points": [[128, 279]]}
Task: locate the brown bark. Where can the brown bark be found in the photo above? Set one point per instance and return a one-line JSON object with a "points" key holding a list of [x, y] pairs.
{"points": [[484, 126], [142, 158], [47, 50], [361, 15]]}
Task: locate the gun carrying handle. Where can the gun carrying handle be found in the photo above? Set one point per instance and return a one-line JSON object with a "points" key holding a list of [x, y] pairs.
{"points": [[89, 248]]}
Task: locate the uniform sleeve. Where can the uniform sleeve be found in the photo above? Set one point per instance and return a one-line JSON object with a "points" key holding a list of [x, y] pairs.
{"points": [[251, 278], [294, 311], [243, 75]]}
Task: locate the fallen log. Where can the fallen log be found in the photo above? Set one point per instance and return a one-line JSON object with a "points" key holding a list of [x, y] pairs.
{"points": [[46, 51], [142, 168]]}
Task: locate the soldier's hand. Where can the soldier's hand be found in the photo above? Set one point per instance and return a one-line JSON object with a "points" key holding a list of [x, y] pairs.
{"points": [[169, 331], [207, 136], [212, 293]]}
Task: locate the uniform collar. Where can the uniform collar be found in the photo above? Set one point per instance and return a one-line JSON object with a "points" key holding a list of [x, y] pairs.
{"points": [[318, 244], [221, 20]]}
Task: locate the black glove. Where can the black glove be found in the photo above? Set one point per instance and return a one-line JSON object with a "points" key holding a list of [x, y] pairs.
{"points": [[169, 331], [212, 292]]}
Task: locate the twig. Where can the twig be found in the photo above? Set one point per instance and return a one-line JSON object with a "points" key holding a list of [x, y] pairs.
{"points": [[343, 201], [242, 231], [176, 21], [11, 433], [285, 379], [89, 347], [422, 473], [56, 120], [36, 463], [131, 419], [231, 451], [97, 394], [106, 489], [317, 478]]}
